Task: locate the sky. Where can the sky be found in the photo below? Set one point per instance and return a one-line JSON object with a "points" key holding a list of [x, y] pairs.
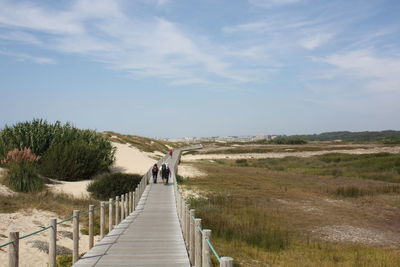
{"points": [[175, 68]]}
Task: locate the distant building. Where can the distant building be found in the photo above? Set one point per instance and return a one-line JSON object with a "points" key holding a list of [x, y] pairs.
{"points": [[261, 137]]}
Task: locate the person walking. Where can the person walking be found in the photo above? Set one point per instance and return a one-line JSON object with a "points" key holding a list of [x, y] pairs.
{"points": [[154, 171], [165, 173]]}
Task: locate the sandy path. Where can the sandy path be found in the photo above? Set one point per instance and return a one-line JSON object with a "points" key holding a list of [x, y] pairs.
{"points": [[395, 150]]}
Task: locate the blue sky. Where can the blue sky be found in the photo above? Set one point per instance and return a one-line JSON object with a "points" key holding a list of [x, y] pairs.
{"points": [[172, 68]]}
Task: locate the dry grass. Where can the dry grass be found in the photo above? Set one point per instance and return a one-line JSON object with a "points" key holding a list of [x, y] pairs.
{"points": [[143, 143], [248, 204]]}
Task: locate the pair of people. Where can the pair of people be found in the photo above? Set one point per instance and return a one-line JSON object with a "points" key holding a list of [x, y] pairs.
{"points": [[165, 173]]}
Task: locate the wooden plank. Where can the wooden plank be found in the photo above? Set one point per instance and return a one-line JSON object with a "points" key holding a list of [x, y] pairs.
{"points": [[150, 236]]}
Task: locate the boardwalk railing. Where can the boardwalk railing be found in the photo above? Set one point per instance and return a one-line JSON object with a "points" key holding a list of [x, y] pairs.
{"points": [[121, 206], [198, 241]]}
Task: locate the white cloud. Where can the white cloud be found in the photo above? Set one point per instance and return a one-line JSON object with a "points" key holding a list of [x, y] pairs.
{"points": [[315, 41], [104, 33], [20, 37], [25, 57], [379, 74]]}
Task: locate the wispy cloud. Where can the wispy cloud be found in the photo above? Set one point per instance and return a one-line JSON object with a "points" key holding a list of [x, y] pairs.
{"points": [[316, 40], [377, 73], [26, 57], [147, 46], [20, 36]]}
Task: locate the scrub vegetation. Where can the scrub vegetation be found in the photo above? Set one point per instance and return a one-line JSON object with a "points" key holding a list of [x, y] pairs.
{"points": [[287, 212], [142, 143], [37, 149]]}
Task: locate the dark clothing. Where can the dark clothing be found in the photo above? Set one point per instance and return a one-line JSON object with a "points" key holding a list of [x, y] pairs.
{"points": [[165, 173], [154, 171]]}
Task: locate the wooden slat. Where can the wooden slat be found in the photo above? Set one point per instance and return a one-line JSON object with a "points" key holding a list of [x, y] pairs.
{"points": [[150, 236]]}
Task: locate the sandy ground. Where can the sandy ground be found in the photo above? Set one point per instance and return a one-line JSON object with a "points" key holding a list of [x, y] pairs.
{"points": [[188, 171], [32, 220], [4, 190], [131, 160], [288, 154]]}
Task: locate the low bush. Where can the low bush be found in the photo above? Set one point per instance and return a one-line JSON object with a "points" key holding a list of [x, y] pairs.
{"points": [[110, 185], [72, 161], [64, 260], [23, 177], [180, 179]]}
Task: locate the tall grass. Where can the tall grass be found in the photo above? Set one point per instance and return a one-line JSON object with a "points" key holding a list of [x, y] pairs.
{"points": [[231, 219], [357, 191], [23, 177]]}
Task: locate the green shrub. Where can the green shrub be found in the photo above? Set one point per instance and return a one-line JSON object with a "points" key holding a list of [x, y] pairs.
{"points": [[110, 185], [55, 142], [64, 260], [180, 179], [23, 177], [72, 161]]}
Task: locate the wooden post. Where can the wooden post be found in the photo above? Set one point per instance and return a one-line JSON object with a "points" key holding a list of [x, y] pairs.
{"points": [[116, 210], [133, 201], [183, 214], [75, 236], [191, 236], [129, 203], [226, 262], [13, 249], [52, 242], [198, 243], [102, 220], [187, 225], [137, 197], [91, 220], [126, 205], [110, 215], [206, 254], [122, 208]]}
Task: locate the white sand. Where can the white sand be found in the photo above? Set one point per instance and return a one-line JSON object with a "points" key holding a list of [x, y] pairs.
{"points": [[4, 190], [131, 160], [76, 189], [288, 154], [27, 222], [189, 171]]}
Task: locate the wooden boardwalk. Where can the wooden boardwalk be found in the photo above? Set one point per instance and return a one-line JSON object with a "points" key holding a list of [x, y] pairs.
{"points": [[150, 236]]}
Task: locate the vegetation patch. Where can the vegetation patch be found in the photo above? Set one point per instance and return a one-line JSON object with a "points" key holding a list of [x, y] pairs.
{"points": [[378, 166], [65, 152], [262, 217], [110, 185], [23, 177]]}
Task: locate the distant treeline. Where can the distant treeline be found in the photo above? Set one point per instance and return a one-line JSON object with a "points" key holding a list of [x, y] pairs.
{"points": [[388, 136]]}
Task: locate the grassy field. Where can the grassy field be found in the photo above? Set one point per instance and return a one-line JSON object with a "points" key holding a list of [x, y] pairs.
{"points": [[266, 213], [379, 166]]}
